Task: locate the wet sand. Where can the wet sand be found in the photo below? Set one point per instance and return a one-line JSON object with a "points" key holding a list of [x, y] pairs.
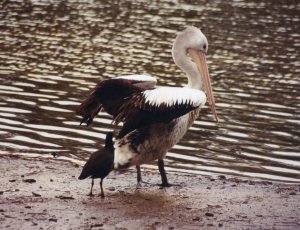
{"points": [[45, 194]]}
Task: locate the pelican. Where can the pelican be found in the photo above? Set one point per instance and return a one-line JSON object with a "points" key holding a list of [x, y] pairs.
{"points": [[154, 118]]}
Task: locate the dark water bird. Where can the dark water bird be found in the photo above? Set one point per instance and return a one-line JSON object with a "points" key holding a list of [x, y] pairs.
{"points": [[100, 163], [154, 118]]}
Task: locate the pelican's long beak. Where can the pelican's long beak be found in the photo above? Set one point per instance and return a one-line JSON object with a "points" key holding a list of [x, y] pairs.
{"points": [[199, 57]]}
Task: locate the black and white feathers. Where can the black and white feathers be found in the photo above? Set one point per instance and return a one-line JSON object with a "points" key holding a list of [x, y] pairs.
{"points": [[132, 102]]}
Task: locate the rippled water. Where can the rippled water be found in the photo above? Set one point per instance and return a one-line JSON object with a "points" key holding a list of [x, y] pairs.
{"points": [[53, 52]]}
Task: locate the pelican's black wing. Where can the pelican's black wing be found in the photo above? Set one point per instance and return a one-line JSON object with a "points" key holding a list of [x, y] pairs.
{"points": [[136, 106]]}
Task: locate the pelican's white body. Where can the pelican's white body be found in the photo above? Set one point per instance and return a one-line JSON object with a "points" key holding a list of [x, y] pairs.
{"points": [[162, 137]]}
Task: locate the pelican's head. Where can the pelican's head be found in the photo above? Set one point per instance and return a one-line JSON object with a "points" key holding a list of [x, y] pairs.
{"points": [[193, 38], [189, 50]]}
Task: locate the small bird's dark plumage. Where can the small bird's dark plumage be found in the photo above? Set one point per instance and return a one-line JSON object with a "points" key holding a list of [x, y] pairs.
{"points": [[100, 163]]}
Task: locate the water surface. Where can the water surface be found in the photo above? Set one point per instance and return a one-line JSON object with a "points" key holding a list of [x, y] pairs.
{"points": [[52, 53]]}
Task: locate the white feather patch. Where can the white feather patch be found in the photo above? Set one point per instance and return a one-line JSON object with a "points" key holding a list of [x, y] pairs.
{"points": [[172, 95], [138, 77], [122, 155], [142, 81]]}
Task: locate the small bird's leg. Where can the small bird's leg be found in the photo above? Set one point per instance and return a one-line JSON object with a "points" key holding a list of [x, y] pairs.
{"points": [[102, 192], [91, 192], [164, 179]]}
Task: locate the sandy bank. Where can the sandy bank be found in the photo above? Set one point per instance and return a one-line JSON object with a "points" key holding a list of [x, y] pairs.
{"points": [[45, 194]]}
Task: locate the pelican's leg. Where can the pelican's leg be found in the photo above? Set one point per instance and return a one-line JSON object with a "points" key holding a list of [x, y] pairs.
{"points": [[101, 187], [164, 179], [91, 192], [139, 177], [139, 174]]}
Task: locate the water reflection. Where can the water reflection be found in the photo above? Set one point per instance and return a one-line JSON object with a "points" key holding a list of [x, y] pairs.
{"points": [[53, 52]]}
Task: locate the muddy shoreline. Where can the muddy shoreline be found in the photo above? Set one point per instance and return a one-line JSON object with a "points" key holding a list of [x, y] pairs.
{"points": [[45, 194]]}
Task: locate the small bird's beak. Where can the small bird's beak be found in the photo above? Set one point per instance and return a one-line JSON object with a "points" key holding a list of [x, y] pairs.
{"points": [[199, 57]]}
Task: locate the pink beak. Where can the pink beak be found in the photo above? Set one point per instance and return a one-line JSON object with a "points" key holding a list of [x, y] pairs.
{"points": [[199, 57]]}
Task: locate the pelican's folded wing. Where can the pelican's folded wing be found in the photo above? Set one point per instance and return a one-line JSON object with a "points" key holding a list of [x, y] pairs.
{"points": [[157, 105]]}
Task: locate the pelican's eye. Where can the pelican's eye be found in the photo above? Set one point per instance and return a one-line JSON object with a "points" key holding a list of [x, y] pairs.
{"points": [[204, 47]]}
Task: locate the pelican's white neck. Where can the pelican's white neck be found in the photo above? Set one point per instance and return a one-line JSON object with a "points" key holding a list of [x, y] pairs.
{"points": [[179, 53], [186, 65]]}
